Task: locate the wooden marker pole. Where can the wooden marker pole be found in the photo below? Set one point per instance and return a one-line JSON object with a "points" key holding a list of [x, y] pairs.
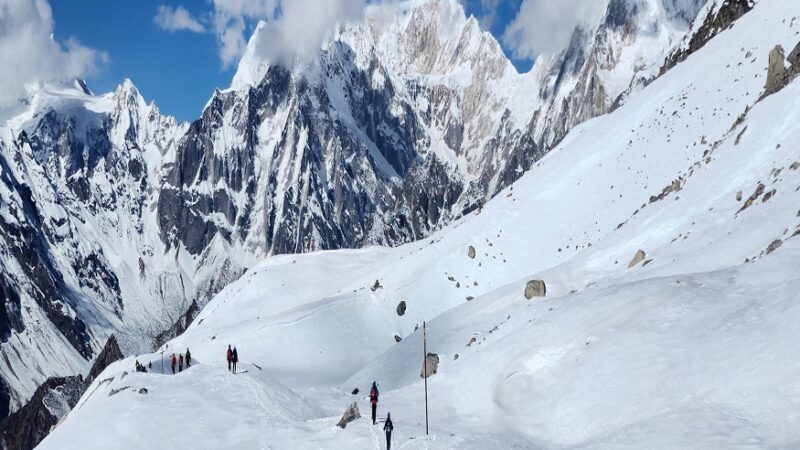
{"points": [[425, 372]]}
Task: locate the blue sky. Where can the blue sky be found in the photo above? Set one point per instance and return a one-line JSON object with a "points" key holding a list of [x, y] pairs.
{"points": [[179, 70]]}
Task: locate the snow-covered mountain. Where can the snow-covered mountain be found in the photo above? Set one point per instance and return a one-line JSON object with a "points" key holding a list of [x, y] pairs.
{"points": [[82, 255], [667, 233], [343, 151], [114, 218]]}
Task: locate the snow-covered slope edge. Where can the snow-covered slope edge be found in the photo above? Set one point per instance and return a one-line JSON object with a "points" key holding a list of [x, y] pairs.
{"points": [[686, 348]]}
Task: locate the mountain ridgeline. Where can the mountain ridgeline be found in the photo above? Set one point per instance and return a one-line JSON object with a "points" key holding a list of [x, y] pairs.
{"points": [[117, 219]]}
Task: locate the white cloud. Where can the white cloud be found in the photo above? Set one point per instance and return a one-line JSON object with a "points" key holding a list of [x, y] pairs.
{"points": [[177, 19], [27, 46], [230, 24], [545, 26], [484, 10], [294, 29], [489, 16], [298, 33]]}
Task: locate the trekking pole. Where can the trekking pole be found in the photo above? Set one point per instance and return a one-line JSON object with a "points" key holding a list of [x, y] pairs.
{"points": [[425, 372]]}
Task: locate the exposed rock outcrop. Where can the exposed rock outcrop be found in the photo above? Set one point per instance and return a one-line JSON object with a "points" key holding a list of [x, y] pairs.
{"points": [[778, 75], [776, 71], [637, 258], [28, 426], [794, 56], [110, 354], [776, 244], [430, 366], [350, 414], [535, 288]]}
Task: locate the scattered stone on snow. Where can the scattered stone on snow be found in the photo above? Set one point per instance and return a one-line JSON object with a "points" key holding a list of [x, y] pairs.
{"points": [[637, 258], [430, 366], [535, 288], [350, 414]]}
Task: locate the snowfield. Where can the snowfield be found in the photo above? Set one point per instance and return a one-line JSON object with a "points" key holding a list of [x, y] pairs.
{"points": [[692, 347]]}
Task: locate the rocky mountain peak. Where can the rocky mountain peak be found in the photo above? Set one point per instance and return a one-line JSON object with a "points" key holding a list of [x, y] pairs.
{"points": [[252, 66]]}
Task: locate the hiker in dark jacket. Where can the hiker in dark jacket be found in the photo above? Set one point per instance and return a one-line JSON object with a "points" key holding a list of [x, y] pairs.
{"points": [[388, 427], [180, 362], [174, 362], [373, 399], [188, 359], [230, 358], [235, 359]]}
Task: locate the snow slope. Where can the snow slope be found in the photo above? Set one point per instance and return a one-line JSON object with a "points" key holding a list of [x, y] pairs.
{"points": [[402, 122], [686, 349]]}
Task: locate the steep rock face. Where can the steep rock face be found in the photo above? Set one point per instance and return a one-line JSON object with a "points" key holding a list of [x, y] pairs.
{"points": [[399, 126], [81, 257], [110, 353], [24, 429], [283, 168], [51, 401]]}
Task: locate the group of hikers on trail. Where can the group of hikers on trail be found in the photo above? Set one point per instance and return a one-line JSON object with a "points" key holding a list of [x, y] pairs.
{"points": [[387, 425], [233, 358], [179, 361]]}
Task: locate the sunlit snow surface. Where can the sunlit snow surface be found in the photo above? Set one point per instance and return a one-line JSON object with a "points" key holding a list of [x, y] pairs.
{"points": [[695, 349]]}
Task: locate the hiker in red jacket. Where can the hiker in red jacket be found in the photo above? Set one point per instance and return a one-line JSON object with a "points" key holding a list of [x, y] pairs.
{"points": [[230, 358], [373, 399], [174, 361]]}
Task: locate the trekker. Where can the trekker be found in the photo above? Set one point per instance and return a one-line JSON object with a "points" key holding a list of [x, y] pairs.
{"points": [[174, 361], [230, 357], [235, 359], [188, 358], [388, 427], [180, 362], [373, 399], [150, 365]]}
